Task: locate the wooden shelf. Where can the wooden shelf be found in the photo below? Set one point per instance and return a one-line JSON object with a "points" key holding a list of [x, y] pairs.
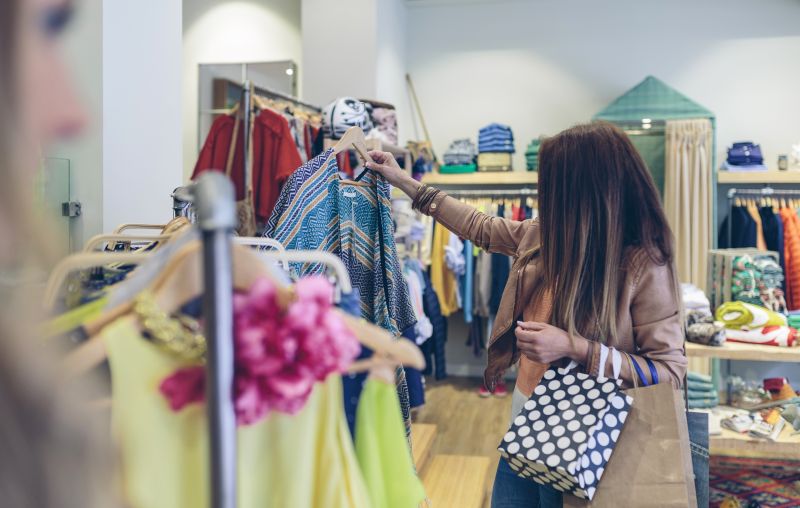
{"points": [[757, 177], [484, 178], [733, 444], [739, 351]]}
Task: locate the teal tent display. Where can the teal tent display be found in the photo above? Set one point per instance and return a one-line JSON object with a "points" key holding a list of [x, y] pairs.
{"points": [[654, 100], [642, 111]]}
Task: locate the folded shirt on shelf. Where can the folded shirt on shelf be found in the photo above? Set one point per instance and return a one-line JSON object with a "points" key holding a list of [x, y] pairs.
{"points": [[766, 336], [460, 152], [451, 169], [496, 138]]}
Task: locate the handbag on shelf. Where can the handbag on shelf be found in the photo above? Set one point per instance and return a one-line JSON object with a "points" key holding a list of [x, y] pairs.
{"points": [[245, 209], [566, 432]]}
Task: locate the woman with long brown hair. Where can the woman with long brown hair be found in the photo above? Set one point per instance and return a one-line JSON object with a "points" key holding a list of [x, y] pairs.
{"points": [[51, 451], [596, 271]]}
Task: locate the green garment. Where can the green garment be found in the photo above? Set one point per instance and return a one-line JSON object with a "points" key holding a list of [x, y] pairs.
{"points": [[382, 449], [74, 318], [453, 169]]}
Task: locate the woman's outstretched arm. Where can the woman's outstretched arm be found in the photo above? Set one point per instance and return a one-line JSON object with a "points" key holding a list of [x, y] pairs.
{"points": [[493, 234]]}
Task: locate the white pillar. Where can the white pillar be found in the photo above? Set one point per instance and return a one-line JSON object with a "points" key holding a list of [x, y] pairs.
{"points": [[142, 159]]}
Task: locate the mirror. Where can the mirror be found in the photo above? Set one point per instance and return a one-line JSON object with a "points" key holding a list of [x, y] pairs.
{"points": [[220, 87]]}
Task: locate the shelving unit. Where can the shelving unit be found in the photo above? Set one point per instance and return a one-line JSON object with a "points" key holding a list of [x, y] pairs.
{"points": [[734, 444], [738, 351], [791, 176], [483, 178], [741, 445]]}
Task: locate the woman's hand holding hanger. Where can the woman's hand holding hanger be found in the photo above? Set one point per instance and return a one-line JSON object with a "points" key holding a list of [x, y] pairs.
{"points": [[386, 165]]}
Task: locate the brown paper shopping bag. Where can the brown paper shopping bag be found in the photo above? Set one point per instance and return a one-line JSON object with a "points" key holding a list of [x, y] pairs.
{"points": [[652, 464]]}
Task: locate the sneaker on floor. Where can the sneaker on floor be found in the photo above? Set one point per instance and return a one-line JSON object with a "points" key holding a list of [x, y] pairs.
{"points": [[500, 390], [484, 392]]}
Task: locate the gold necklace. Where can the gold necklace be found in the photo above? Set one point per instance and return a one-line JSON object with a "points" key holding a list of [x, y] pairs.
{"points": [[177, 335]]}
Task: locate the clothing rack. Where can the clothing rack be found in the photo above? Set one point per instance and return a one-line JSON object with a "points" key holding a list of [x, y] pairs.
{"points": [[215, 199], [464, 193], [764, 191]]}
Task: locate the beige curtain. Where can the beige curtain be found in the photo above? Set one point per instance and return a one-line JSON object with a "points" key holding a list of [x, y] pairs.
{"points": [[688, 195]]}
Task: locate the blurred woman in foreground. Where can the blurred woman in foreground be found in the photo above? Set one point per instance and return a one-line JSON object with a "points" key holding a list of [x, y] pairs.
{"points": [[50, 452]]}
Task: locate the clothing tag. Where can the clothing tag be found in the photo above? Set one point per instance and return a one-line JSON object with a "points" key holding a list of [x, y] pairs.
{"points": [[616, 362], [601, 374]]}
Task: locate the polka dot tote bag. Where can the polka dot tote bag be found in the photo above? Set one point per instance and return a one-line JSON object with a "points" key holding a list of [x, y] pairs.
{"points": [[566, 431]]}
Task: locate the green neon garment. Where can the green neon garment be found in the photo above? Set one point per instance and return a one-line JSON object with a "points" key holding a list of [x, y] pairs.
{"points": [[382, 449]]}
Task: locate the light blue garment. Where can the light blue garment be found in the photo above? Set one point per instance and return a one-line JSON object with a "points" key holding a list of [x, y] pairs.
{"points": [[469, 280]]}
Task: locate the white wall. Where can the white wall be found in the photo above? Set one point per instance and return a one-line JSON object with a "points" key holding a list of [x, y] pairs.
{"points": [[141, 110], [541, 66], [339, 49], [217, 31], [392, 63]]}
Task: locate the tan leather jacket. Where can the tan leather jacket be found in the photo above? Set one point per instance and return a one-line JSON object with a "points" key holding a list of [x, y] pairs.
{"points": [[649, 324]]}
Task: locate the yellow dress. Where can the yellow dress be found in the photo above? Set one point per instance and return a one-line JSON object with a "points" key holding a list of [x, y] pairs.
{"points": [[302, 461]]}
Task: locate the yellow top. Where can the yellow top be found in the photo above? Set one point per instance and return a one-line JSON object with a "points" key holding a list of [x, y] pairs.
{"points": [[442, 278], [301, 461]]}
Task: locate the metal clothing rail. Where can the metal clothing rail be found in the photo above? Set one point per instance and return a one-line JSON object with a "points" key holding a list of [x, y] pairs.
{"points": [[247, 109], [764, 191], [463, 193], [216, 215], [274, 94]]}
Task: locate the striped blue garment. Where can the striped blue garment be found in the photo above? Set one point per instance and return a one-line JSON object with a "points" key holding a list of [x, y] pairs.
{"points": [[317, 210]]}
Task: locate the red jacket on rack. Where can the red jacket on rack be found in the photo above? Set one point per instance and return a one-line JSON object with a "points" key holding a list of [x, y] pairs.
{"points": [[275, 157]]}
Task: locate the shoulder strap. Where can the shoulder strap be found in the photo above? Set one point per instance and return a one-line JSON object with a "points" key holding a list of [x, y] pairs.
{"points": [[232, 147]]}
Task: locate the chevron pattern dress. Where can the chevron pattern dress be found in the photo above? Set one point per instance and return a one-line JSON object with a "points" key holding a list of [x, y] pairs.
{"points": [[317, 210]]}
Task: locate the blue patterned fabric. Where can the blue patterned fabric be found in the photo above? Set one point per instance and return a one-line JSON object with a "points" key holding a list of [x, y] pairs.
{"points": [[317, 210]]}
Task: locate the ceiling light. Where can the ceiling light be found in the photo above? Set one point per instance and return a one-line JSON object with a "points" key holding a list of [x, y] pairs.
{"points": [[290, 72], [646, 120]]}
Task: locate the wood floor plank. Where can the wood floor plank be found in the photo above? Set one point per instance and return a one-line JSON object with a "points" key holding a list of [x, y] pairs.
{"points": [[466, 424], [456, 481], [423, 436]]}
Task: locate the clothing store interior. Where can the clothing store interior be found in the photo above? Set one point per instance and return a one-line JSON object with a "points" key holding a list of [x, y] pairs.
{"points": [[300, 259]]}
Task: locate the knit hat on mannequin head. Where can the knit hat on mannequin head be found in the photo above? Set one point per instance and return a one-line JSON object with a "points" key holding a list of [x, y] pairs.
{"points": [[342, 114]]}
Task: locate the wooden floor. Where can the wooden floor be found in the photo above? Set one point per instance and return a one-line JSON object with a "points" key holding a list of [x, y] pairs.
{"points": [[466, 423]]}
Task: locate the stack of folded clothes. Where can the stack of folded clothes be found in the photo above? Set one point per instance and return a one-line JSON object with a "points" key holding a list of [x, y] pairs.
{"points": [[752, 324], [532, 155], [495, 146], [459, 157], [744, 156], [701, 393]]}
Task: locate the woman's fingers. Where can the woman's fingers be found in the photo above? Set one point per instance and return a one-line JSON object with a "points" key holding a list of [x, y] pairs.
{"points": [[532, 325], [524, 335]]}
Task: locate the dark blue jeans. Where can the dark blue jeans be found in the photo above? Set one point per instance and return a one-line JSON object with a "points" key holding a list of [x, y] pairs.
{"points": [[511, 491]]}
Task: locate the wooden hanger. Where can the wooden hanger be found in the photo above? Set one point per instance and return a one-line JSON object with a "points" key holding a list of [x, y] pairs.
{"points": [[181, 280], [353, 138], [125, 227]]}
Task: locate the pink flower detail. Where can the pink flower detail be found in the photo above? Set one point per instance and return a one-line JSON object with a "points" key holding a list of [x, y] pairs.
{"points": [[279, 355]]}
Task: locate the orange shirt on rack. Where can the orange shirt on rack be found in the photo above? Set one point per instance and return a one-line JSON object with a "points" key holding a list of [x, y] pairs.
{"points": [[791, 254], [275, 157]]}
